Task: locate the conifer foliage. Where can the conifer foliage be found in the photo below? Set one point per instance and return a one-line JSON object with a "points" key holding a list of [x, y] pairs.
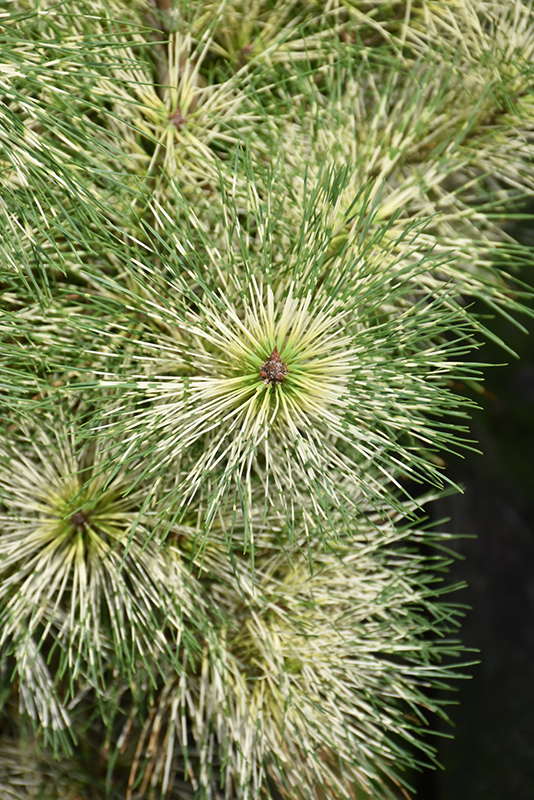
{"points": [[244, 250]]}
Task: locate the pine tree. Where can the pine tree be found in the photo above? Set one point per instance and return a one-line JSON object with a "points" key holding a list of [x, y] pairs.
{"points": [[241, 245]]}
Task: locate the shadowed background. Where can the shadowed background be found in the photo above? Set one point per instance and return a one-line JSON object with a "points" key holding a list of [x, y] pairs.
{"points": [[491, 756]]}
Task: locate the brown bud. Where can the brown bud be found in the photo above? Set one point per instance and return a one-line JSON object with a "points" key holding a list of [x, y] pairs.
{"points": [[273, 370], [177, 119]]}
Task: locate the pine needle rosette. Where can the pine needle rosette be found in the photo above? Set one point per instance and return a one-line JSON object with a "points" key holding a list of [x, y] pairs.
{"points": [[288, 370], [78, 565], [129, 110], [463, 171], [325, 668], [312, 680], [282, 362]]}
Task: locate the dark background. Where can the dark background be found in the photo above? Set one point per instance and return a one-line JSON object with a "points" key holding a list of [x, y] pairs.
{"points": [[491, 756]]}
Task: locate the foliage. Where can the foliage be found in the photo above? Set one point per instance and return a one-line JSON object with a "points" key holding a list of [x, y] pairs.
{"points": [[240, 248]]}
